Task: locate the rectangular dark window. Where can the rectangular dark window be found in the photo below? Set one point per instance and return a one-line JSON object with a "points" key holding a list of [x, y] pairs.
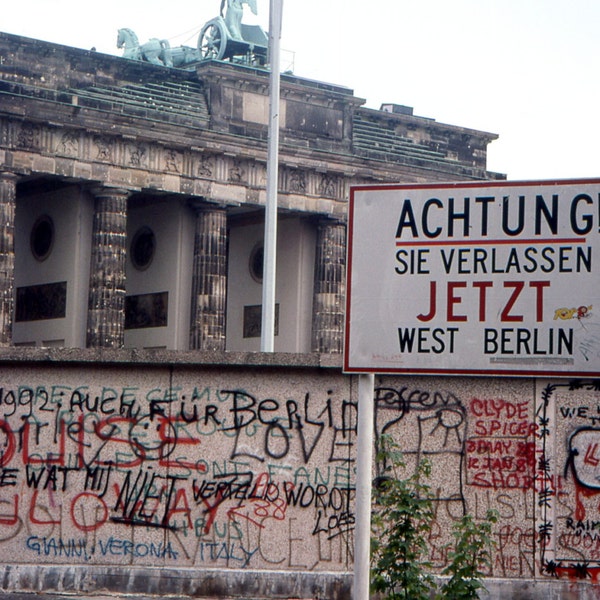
{"points": [[146, 310], [38, 302], [253, 320]]}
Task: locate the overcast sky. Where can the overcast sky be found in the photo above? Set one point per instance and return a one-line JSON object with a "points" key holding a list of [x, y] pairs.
{"points": [[524, 69]]}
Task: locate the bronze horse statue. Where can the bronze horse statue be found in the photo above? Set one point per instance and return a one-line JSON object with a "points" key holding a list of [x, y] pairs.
{"points": [[155, 51]]}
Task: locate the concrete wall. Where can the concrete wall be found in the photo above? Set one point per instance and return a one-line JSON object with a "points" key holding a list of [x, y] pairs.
{"points": [[195, 474]]}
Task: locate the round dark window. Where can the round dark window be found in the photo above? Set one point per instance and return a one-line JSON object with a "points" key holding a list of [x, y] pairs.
{"points": [[42, 237], [256, 262], [142, 248]]}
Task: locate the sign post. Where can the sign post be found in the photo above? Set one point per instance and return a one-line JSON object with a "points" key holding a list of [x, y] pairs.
{"points": [[364, 453]]}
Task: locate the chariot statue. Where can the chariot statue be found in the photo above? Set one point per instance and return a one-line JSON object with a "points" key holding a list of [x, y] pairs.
{"points": [[227, 38], [223, 38]]}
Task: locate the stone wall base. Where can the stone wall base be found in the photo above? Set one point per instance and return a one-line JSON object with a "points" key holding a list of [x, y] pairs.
{"points": [[47, 580], [193, 583]]}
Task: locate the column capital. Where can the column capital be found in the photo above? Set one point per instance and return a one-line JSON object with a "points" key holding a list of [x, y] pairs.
{"points": [[200, 204], [325, 221], [103, 191], [8, 174]]}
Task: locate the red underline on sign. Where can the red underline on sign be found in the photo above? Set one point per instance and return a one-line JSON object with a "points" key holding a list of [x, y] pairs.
{"points": [[492, 242]]}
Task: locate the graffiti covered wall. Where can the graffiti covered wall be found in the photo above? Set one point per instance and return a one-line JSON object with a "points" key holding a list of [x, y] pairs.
{"points": [[254, 468], [479, 437], [568, 476], [187, 469]]}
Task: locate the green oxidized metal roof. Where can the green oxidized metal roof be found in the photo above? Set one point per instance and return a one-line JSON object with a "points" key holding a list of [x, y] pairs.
{"points": [[179, 102], [375, 139]]}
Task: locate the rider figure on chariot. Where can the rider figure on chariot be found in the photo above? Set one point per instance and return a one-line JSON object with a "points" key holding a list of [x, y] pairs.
{"points": [[234, 14]]}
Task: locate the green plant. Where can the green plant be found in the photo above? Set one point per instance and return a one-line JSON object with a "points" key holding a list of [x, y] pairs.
{"points": [[402, 521], [470, 557]]}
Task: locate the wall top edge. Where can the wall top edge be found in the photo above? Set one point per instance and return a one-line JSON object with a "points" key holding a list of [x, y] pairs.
{"points": [[162, 358]]}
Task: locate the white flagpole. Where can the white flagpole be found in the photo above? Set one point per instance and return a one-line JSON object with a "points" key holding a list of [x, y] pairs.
{"points": [[267, 341]]}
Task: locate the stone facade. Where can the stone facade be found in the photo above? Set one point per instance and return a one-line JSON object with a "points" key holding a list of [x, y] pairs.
{"points": [[70, 117]]}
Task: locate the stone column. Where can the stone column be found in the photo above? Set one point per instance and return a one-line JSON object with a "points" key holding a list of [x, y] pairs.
{"points": [[209, 280], [8, 187], [329, 289], [106, 300]]}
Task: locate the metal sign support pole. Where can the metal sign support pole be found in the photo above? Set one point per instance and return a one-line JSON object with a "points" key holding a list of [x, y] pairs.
{"points": [[267, 339], [364, 459]]}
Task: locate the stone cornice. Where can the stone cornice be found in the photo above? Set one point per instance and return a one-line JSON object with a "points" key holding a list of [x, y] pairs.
{"points": [[163, 358]]}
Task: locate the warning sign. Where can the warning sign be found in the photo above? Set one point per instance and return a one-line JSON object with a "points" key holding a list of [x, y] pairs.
{"points": [[474, 278]]}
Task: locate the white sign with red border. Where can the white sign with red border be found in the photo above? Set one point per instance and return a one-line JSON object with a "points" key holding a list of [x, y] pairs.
{"points": [[474, 278]]}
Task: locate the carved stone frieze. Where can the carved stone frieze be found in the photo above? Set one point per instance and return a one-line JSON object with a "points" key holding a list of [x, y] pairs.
{"points": [[197, 164], [237, 172], [172, 160], [297, 181], [206, 165], [327, 186], [29, 136], [68, 144], [104, 145], [138, 155]]}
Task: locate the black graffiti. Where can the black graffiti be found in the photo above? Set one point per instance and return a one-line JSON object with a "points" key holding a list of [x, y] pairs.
{"points": [[54, 477], [334, 525], [138, 501], [97, 479], [244, 486]]}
